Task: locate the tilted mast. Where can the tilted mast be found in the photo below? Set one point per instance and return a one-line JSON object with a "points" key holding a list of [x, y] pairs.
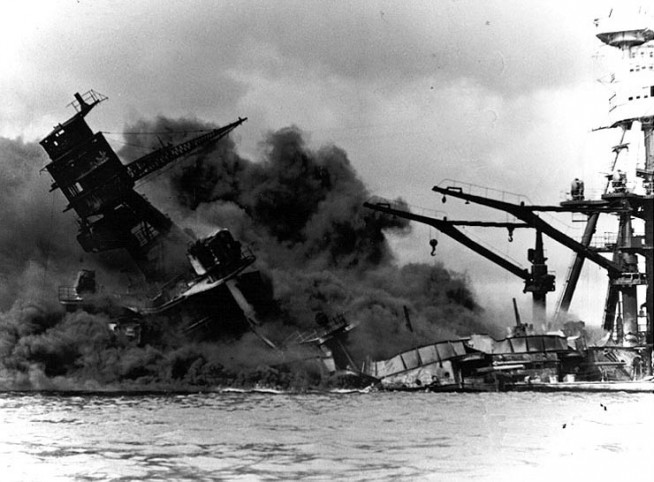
{"points": [[100, 189]]}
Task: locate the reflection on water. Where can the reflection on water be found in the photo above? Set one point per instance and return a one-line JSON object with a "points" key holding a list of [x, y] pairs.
{"points": [[373, 436]]}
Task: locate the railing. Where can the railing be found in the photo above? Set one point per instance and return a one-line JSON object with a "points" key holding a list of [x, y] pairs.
{"points": [[609, 241], [68, 294], [484, 191], [631, 279], [588, 195], [604, 241]]}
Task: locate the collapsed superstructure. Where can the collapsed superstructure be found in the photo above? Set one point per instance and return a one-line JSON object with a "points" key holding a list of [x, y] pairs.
{"points": [[202, 283], [208, 287], [201, 288]]}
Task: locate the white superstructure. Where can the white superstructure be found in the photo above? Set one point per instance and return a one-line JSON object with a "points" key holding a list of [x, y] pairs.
{"points": [[632, 77]]}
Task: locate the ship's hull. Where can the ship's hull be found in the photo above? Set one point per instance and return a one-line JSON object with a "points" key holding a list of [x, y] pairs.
{"points": [[637, 386]]}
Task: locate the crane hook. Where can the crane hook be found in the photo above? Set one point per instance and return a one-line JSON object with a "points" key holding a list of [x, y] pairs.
{"points": [[433, 243], [510, 235], [444, 199]]}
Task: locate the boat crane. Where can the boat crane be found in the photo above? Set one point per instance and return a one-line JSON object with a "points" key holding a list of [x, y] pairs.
{"points": [[632, 102], [538, 281]]}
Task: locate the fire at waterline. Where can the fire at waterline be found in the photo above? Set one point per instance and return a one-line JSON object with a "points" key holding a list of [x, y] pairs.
{"points": [[199, 309]]}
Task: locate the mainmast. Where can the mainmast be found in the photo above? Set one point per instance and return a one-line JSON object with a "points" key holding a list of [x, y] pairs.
{"points": [[631, 102], [202, 282]]}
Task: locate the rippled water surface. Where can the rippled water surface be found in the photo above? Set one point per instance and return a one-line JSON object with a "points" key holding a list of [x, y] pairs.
{"points": [[361, 436]]}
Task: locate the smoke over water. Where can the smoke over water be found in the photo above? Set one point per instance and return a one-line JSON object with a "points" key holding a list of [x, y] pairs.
{"points": [[298, 208]]}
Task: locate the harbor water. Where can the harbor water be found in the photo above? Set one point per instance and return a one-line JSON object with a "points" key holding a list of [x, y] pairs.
{"points": [[325, 436]]}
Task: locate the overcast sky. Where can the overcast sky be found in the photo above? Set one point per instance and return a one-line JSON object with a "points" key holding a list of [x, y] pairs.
{"points": [[495, 93]]}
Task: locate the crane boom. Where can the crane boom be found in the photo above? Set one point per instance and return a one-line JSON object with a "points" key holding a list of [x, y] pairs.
{"points": [[526, 214], [154, 161], [447, 227], [537, 281]]}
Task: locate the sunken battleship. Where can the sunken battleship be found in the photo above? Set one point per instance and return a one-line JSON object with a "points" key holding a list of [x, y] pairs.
{"points": [[562, 359], [203, 289], [206, 287]]}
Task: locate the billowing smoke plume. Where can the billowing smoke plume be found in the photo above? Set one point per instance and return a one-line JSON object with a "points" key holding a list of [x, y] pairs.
{"points": [[301, 211]]}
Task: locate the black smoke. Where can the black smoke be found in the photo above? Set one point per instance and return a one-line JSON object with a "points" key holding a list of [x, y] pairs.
{"points": [[35, 241], [299, 208], [302, 209]]}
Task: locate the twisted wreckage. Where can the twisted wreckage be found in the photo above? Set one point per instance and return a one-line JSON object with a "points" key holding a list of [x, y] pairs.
{"points": [[203, 288], [208, 287]]}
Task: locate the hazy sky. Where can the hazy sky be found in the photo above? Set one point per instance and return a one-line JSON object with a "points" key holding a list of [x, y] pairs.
{"points": [[495, 93]]}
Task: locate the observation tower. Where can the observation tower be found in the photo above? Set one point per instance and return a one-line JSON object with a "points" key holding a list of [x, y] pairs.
{"points": [[628, 195]]}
